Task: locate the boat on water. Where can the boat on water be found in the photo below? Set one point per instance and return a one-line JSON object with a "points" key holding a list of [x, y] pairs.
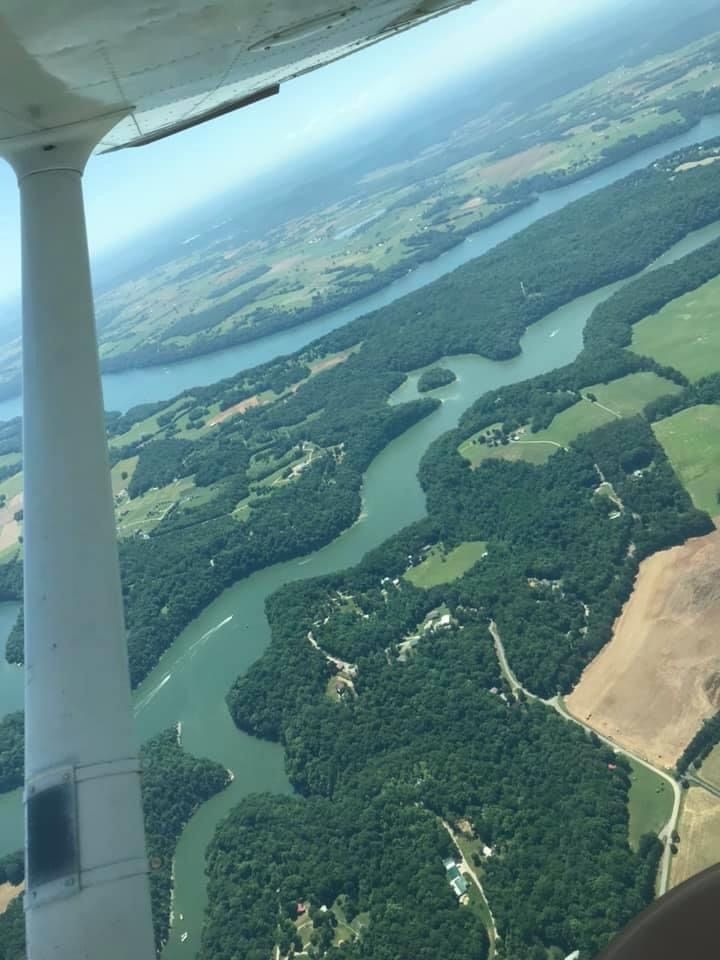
{"points": [[183, 937]]}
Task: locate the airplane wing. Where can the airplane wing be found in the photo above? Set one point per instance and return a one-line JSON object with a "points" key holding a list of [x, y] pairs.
{"points": [[161, 66]]}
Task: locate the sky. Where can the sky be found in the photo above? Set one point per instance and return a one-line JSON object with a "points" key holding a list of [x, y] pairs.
{"points": [[131, 191]]}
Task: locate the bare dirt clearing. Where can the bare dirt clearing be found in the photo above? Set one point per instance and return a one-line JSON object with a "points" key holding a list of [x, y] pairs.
{"points": [[699, 830], [8, 893], [656, 681], [237, 408]]}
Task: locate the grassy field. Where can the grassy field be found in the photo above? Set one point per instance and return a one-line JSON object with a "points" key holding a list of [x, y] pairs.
{"points": [[630, 395], [441, 567], [142, 514], [710, 769], [690, 439], [119, 482], [650, 803], [699, 829], [531, 452], [620, 398], [685, 334]]}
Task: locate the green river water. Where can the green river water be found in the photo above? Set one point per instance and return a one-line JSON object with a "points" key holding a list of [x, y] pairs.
{"points": [[191, 680]]}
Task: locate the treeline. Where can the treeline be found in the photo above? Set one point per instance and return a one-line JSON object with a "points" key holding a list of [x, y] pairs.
{"points": [[12, 751], [701, 745], [174, 785]]}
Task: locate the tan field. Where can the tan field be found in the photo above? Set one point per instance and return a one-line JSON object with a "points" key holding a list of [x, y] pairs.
{"points": [[699, 830], [8, 893], [656, 681]]}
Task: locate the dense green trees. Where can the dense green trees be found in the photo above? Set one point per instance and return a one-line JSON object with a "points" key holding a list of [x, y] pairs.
{"points": [[435, 377], [12, 751], [12, 932]]}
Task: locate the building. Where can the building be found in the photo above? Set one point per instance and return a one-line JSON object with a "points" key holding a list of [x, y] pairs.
{"points": [[456, 880]]}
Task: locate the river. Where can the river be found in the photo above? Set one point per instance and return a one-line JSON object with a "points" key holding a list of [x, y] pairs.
{"points": [[124, 390], [191, 680]]}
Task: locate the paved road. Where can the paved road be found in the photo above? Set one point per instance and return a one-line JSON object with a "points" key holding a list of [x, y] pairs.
{"points": [[666, 833]]}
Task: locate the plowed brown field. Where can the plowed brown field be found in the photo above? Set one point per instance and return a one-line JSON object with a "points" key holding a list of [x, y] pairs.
{"points": [[656, 681]]}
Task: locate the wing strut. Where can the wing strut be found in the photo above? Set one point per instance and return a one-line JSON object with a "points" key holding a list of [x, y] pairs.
{"points": [[87, 880]]}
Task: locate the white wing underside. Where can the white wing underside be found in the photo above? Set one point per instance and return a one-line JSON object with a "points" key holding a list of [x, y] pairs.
{"points": [[167, 65]]}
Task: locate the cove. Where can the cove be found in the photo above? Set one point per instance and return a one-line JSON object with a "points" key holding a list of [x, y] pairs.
{"points": [[145, 385]]}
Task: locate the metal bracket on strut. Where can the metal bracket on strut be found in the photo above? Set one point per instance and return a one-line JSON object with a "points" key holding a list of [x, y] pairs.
{"points": [[53, 854]]}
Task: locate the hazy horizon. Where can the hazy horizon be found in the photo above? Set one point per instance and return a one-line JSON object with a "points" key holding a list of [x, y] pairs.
{"points": [[132, 193]]}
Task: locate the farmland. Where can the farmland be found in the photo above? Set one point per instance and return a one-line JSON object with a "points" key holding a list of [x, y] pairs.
{"points": [[699, 829], [690, 439], [652, 686], [685, 333]]}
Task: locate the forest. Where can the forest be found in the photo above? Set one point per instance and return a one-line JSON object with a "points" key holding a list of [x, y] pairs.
{"points": [[174, 784], [483, 307], [12, 751], [430, 731]]}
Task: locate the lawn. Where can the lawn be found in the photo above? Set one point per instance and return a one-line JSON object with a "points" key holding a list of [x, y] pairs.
{"points": [[650, 803], [690, 439], [529, 451], [442, 567], [699, 829], [710, 769], [685, 334]]}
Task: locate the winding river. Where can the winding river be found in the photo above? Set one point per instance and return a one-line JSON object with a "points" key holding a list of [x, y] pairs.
{"points": [[124, 390], [191, 680]]}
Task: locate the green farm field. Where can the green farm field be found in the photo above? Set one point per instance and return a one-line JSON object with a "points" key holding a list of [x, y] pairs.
{"points": [[685, 333], [441, 567], [650, 803], [690, 439]]}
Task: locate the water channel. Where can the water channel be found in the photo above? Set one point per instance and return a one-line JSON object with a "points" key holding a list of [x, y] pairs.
{"points": [[191, 680], [124, 390]]}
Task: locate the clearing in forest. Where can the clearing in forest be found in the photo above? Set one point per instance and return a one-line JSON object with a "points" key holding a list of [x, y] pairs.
{"points": [[699, 829], [620, 398], [690, 439], [652, 686], [631, 394], [440, 566], [685, 333], [650, 803]]}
